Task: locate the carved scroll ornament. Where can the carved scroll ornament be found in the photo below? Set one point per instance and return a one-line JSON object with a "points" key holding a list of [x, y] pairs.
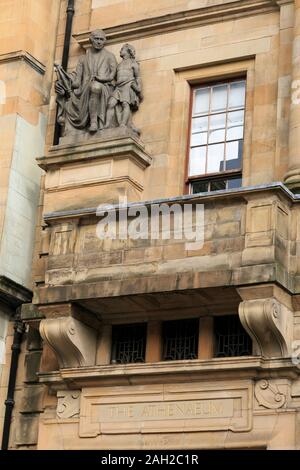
{"points": [[68, 404], [268, 324], [268, 395], [73, 342]]}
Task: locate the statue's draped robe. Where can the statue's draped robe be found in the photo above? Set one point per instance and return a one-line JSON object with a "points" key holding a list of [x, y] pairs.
{"points": [[100, 63]]}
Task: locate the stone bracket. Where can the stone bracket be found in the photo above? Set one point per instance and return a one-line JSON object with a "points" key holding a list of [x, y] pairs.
{"points": [[73, 342], [269, 324]]}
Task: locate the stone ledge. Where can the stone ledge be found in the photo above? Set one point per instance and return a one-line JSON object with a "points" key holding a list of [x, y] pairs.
{"points": [[120, 147], [30, 312], [153, 284], [25, 57], [175, 371], [13, 294], [181, 20], [241, 193]]}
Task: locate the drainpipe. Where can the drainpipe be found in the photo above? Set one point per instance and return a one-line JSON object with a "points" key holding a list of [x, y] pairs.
{"points": [[65, 57], [10, 402]]}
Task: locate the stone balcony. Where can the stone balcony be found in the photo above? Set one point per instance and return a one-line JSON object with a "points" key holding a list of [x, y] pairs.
{"points": [[251, 237]]}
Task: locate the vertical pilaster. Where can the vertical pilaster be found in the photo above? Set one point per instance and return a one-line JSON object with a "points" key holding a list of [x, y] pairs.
{"points": [[104, 348], [206, 338], [286, 32], [292, 178], [154, 343]]}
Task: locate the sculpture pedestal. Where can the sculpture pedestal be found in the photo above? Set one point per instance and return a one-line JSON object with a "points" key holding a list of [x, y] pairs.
{"points": [[96, 170]]}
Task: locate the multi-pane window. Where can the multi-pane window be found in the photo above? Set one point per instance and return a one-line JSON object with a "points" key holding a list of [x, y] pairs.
{"points": [[216, 184], [230, 337], [180, 339], [128, 343], [217, 132]]}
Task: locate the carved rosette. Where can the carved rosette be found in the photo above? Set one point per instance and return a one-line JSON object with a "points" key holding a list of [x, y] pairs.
{"points": [[268, 395], [68, 404], [268, 325], [73, 342]]}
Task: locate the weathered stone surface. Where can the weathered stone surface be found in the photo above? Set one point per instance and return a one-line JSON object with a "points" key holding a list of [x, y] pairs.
{"points": [[32, 365], [30, 312], [27, 430], [34, 340], [32, 400]]}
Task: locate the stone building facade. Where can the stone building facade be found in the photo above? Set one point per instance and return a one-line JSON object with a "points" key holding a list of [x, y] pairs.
{"points": [[153, 342]]}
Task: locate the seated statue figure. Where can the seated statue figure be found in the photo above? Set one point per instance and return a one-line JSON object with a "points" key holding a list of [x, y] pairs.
{"points": [[83, 95], [128, 91]]}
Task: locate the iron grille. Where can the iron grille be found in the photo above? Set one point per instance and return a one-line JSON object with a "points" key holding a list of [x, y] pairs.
{"points": [[180, 339], [129, 343], [230, 337]]}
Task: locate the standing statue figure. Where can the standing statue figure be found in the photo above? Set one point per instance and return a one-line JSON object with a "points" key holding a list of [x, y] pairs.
{"points": [[83, 96], [128, 91]]}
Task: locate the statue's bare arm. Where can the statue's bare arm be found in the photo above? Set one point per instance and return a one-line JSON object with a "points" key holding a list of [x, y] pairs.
{"points": [[137, 84]]}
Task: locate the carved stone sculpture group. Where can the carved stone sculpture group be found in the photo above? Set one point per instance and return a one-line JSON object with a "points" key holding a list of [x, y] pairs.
{"points": [[101, 93]]}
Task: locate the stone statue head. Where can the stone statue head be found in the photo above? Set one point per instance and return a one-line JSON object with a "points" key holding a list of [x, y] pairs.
{"points": [[128, 49], [98, 39]]}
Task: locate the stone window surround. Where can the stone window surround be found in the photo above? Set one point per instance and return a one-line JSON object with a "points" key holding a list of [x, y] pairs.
{"points": [[225, 173], [185, 81]]}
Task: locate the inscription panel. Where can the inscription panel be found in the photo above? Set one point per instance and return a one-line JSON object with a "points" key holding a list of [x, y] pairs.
{"points": [[138, 409], [169, 410]]}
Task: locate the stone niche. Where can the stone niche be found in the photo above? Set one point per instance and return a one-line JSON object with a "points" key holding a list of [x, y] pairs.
{"points": [[107, 168]]}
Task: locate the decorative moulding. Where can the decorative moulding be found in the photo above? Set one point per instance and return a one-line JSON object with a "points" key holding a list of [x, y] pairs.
{"points": [[243, 193], [68, 404], [162, 408], [181, 20], [268, 394], [25, 57], [116, 148], [121, 374]]}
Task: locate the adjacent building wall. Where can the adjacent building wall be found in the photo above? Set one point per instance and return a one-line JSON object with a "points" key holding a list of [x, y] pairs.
{"points": [[27, 40]]}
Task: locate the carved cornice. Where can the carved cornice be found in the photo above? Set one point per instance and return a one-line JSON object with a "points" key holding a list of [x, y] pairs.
{"points": [[95, 149], [174, 371], [73, 342], [25, 57], [269, 325], [284, 2], [242, 193], [182, 20], [12, 294], [104, 181]]}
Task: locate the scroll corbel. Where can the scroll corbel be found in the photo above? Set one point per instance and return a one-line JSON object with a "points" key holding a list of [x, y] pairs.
{"points": [[73, 342], [269, 324]]}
